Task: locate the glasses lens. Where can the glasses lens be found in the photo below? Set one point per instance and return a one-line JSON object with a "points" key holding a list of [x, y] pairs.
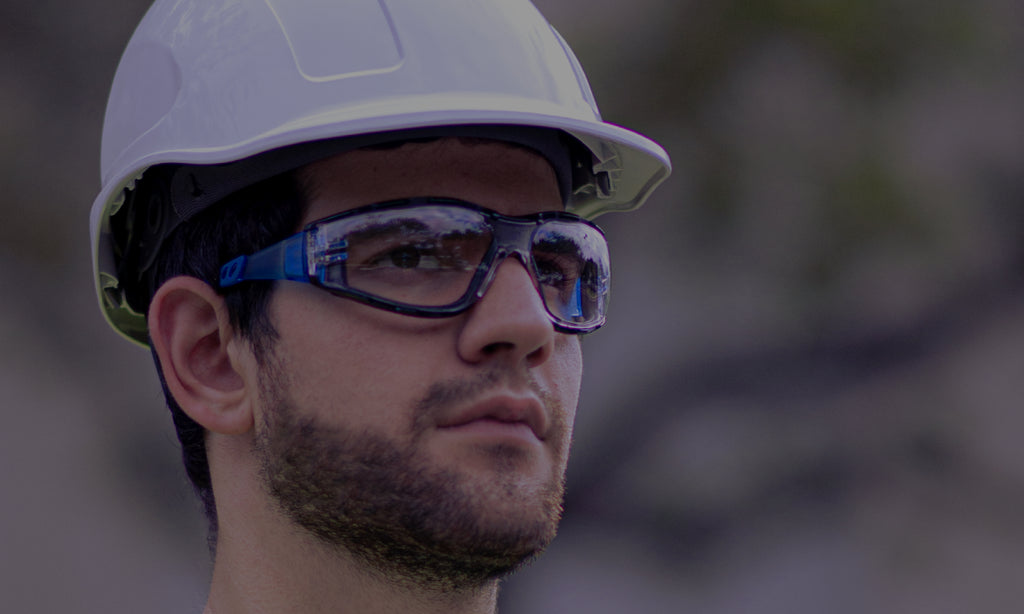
{"points": [[572, 268], [425, 256]]}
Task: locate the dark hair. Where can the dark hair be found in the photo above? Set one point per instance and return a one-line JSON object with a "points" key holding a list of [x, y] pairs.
{"points": [[240, 224]]}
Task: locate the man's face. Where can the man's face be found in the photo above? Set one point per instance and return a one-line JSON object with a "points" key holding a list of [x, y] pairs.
{"points": [[432, 449]]}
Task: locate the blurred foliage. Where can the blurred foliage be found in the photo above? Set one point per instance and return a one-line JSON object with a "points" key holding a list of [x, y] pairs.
{"points": [[820, 110]]}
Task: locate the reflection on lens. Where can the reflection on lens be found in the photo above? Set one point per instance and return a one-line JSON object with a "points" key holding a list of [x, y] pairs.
{"points": [[571, 266]]}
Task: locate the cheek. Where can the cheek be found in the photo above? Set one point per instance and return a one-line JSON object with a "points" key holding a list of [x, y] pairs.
{"points": [[567, 374], [356, 364], [566, 371]]}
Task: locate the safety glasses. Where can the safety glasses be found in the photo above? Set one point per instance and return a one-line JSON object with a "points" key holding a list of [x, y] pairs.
{"points": [[435, 257]]}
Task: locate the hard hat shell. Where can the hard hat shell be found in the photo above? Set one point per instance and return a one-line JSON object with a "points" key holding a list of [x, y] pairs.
{"points": [[206, 82]]}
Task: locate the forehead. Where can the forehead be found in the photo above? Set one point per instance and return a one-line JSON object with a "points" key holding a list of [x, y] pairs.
{"points": [[507, 178]]}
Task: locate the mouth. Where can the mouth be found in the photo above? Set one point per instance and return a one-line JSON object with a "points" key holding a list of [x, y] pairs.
{"points": [[504, 415]]}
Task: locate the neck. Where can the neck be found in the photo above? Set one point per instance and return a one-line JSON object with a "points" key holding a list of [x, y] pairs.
{"points": [[266, 564], [310, 584]]}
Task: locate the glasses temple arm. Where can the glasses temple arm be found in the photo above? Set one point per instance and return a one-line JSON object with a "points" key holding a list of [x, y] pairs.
{"points": [[284, 260]]}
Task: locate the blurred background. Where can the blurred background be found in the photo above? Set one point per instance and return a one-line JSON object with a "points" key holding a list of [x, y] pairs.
{"points": [[806, 400]]}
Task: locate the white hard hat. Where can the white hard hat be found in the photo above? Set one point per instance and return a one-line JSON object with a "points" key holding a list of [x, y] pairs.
{"points": [[208, 82]]}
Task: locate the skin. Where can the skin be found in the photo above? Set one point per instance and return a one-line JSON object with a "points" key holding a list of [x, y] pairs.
{"points": [[363, 374]]}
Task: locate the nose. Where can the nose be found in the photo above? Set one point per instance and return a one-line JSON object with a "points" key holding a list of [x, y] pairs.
{"points": [[509, 322]]}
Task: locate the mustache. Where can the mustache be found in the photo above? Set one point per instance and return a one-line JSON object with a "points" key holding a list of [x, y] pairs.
{"points": [[448, 395]]}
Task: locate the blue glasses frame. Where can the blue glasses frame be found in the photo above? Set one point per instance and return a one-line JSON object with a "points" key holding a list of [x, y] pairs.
{"points": [[308, 257]]}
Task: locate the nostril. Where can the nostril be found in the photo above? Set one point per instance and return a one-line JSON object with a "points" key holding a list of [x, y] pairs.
{"points": [[533, 358], [497, 348], [539, 355]]}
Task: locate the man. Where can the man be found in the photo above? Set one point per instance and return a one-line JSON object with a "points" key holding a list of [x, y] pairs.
{"points": [[350, 232]]}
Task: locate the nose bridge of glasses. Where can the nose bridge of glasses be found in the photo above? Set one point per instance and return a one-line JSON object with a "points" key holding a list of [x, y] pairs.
{"points": [[512, 238]]}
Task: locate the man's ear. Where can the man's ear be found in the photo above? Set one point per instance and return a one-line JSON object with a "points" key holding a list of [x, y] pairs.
{"points": [[199, 354]]}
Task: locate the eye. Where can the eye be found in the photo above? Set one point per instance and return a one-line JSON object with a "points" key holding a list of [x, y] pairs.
{"points": [[557, 259], [555, 270], [405, 257], [425, 256]]}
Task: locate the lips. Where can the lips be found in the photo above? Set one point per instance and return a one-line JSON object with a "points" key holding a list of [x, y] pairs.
{"points": [[510, 410]]}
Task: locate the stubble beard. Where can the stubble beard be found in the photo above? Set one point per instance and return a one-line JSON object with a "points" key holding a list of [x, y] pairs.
{"points": [[380, 501]]}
